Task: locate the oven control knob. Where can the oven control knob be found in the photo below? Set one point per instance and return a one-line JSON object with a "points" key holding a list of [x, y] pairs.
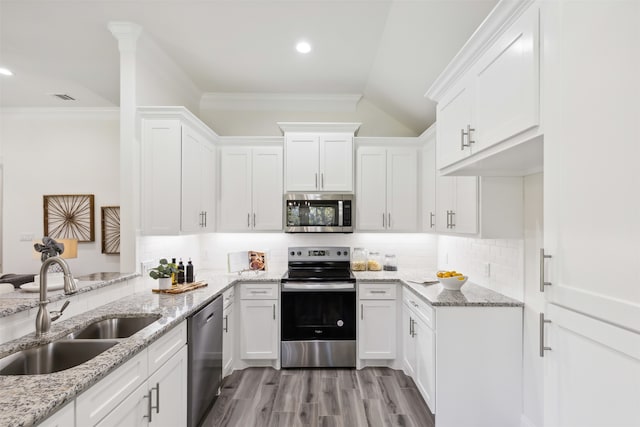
{"points": [[292, 253], [299, 253], [339, 253], [340, 323]]}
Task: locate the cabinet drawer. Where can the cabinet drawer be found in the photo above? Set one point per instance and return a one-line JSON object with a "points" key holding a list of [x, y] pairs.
{"points": [[162, 350], [420, 306], [378, 290], [259, 291], [102, 398]]}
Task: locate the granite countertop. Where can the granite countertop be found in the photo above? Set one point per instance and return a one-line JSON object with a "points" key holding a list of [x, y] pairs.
{"points": [[20, 300], [28, 399], [470, 295]]}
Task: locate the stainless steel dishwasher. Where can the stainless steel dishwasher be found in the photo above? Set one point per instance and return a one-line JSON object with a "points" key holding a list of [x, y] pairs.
{"points": [[204, 335]]}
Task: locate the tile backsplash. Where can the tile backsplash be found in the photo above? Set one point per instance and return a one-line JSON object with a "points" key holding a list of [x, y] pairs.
{"points": [[496, 264]]}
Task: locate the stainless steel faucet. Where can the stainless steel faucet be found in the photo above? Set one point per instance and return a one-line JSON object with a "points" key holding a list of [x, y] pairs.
{"points": [[43, 319]]}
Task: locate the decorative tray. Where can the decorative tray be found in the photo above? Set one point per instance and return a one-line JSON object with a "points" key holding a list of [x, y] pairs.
{"points": [[180, 288]]}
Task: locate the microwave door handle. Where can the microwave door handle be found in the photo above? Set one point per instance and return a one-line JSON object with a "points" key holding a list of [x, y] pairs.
{"points": [[340, 213]]}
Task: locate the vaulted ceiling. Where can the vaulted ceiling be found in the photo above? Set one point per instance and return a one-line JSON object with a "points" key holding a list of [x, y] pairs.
{"points": [[388, 50]]}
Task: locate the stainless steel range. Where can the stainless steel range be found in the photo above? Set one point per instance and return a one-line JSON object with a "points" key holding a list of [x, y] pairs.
{"points": [[318, 309]]}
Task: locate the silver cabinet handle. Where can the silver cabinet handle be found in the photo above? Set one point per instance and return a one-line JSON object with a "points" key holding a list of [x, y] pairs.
{"points": [[448, 219], [431, 217], [316, 180], [322, 180], [378, 292], [383, 220], [149, 407], [205, 218], [226, 323], [468, 135], [157, 407], [543, 256], [410, 326], [469, 130], [361, 311], [258, 292], [462, 144], [254, 220], [274, 312], [542, 346], [389, 221], [453, 223], [248, 220]]}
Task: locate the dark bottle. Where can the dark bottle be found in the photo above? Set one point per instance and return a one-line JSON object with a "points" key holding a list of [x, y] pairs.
{"points": [[180, 272], [189, 271], [174, 276]]}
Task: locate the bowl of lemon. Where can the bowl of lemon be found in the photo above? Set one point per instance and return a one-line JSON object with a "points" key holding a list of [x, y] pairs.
{"points": [[451, 280]]}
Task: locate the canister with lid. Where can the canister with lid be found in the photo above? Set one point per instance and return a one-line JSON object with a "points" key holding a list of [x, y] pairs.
{"points": [[374, 261], [390, 263], [359, 259]]}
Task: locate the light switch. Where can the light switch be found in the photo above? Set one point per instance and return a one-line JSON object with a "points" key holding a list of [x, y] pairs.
{"points": [[26, 237]]}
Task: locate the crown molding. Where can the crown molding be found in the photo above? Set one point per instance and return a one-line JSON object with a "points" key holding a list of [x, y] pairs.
{"points": [[500, 18], [177, 113], [336, 127], [126, 33], [279, 102], [107, 113]]}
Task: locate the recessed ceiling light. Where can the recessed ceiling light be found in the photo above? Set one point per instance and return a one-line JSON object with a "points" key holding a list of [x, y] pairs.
{"points": [[303, 47], [6, 72]]}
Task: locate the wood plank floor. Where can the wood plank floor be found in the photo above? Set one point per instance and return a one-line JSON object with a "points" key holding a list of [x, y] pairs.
{"points": [[266, 397]]}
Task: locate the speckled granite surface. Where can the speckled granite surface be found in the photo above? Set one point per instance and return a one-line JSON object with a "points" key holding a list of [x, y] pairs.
{"points": [[470, 294], [18, 300], [28, 399]]}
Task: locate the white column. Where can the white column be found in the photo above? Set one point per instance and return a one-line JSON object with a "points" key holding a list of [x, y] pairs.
{"points": [[127, 34]]}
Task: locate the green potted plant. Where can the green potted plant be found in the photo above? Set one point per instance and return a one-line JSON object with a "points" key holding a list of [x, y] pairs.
{"points": [[163, 273]]}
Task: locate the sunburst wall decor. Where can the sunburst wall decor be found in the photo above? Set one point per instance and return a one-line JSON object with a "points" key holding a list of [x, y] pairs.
{"points": [[69, 217], [111, 229]]}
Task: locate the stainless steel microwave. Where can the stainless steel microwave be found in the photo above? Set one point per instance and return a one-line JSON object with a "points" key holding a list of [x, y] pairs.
{"points": [[318, 213]]}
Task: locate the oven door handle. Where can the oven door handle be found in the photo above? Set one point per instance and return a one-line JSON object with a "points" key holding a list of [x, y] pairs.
{"points": [[325, 286]]}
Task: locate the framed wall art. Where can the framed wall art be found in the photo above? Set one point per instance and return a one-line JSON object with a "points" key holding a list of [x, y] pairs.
{"points": [[111, 229], [69, 217]]}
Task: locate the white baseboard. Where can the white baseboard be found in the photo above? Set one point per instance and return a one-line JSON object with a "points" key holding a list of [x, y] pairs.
{"points": [[526, 422]]}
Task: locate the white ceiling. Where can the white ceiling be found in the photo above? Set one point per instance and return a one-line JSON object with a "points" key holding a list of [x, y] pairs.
{"points": [[388, 50]]}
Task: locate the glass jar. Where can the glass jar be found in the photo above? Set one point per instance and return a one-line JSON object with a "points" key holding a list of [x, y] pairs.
{"points": [[390, 263], [374, 261], [359, 259]]}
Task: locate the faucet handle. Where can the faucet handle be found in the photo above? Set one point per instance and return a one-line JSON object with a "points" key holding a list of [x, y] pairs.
{"points": [[55, 315]]}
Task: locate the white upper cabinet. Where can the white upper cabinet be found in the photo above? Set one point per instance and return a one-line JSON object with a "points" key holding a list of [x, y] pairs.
{"points": [[250, 188], [177, 172], [429, 184], [489, 98], [387, 189], [318, 156]]}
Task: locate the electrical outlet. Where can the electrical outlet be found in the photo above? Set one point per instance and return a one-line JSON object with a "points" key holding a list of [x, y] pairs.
{"points": [[446, 259], [146, 266], [487, 269], [26, 237]]}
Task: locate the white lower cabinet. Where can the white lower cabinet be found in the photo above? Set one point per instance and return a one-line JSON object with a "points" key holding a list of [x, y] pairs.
{"points": [[65, 417], [377, 338], [138, 394], [259, 321], [228, 333]]}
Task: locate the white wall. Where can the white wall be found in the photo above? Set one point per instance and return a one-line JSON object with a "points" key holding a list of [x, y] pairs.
{"points": [[413, 251], [375, 122], [56, 152]]}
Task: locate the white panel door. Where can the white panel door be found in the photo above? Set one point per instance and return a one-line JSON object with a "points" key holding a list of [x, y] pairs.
{"points": [[192, 163], [161, 181], [133, 411], [302, 157], [465, 217], [168, 387], [445, 201], [208, 186], [235, 189], [507, 84], [454, 114], [336, 163], [402, 189], [228, 341], [371, 203], [267, 195], [377, 338], [259, 329], [425, 378], [65, 417], [408, 341], [592, 372], [429, 172]]}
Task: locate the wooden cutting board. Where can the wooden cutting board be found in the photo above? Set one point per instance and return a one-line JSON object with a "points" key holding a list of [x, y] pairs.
{"points": [[180, 288]]}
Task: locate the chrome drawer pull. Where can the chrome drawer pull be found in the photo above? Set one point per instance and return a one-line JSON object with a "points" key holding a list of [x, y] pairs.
{"points": [[542, 346]]}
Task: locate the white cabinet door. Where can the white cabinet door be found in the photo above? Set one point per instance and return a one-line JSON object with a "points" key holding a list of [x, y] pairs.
{"points": [[208, 187], [267, 199], [454, 115], [235, 189], [402, 189], [161, 180], [168, 386], [425, 361], [228, 340], [429, 173], [133, 411], [465, 213], [336, 163], [589, 363], [377, 329], [192, 152], [371, 204], [445, 202], [259, 329], [507, 84], [302, 163], [408, 341], [65, 417]]}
